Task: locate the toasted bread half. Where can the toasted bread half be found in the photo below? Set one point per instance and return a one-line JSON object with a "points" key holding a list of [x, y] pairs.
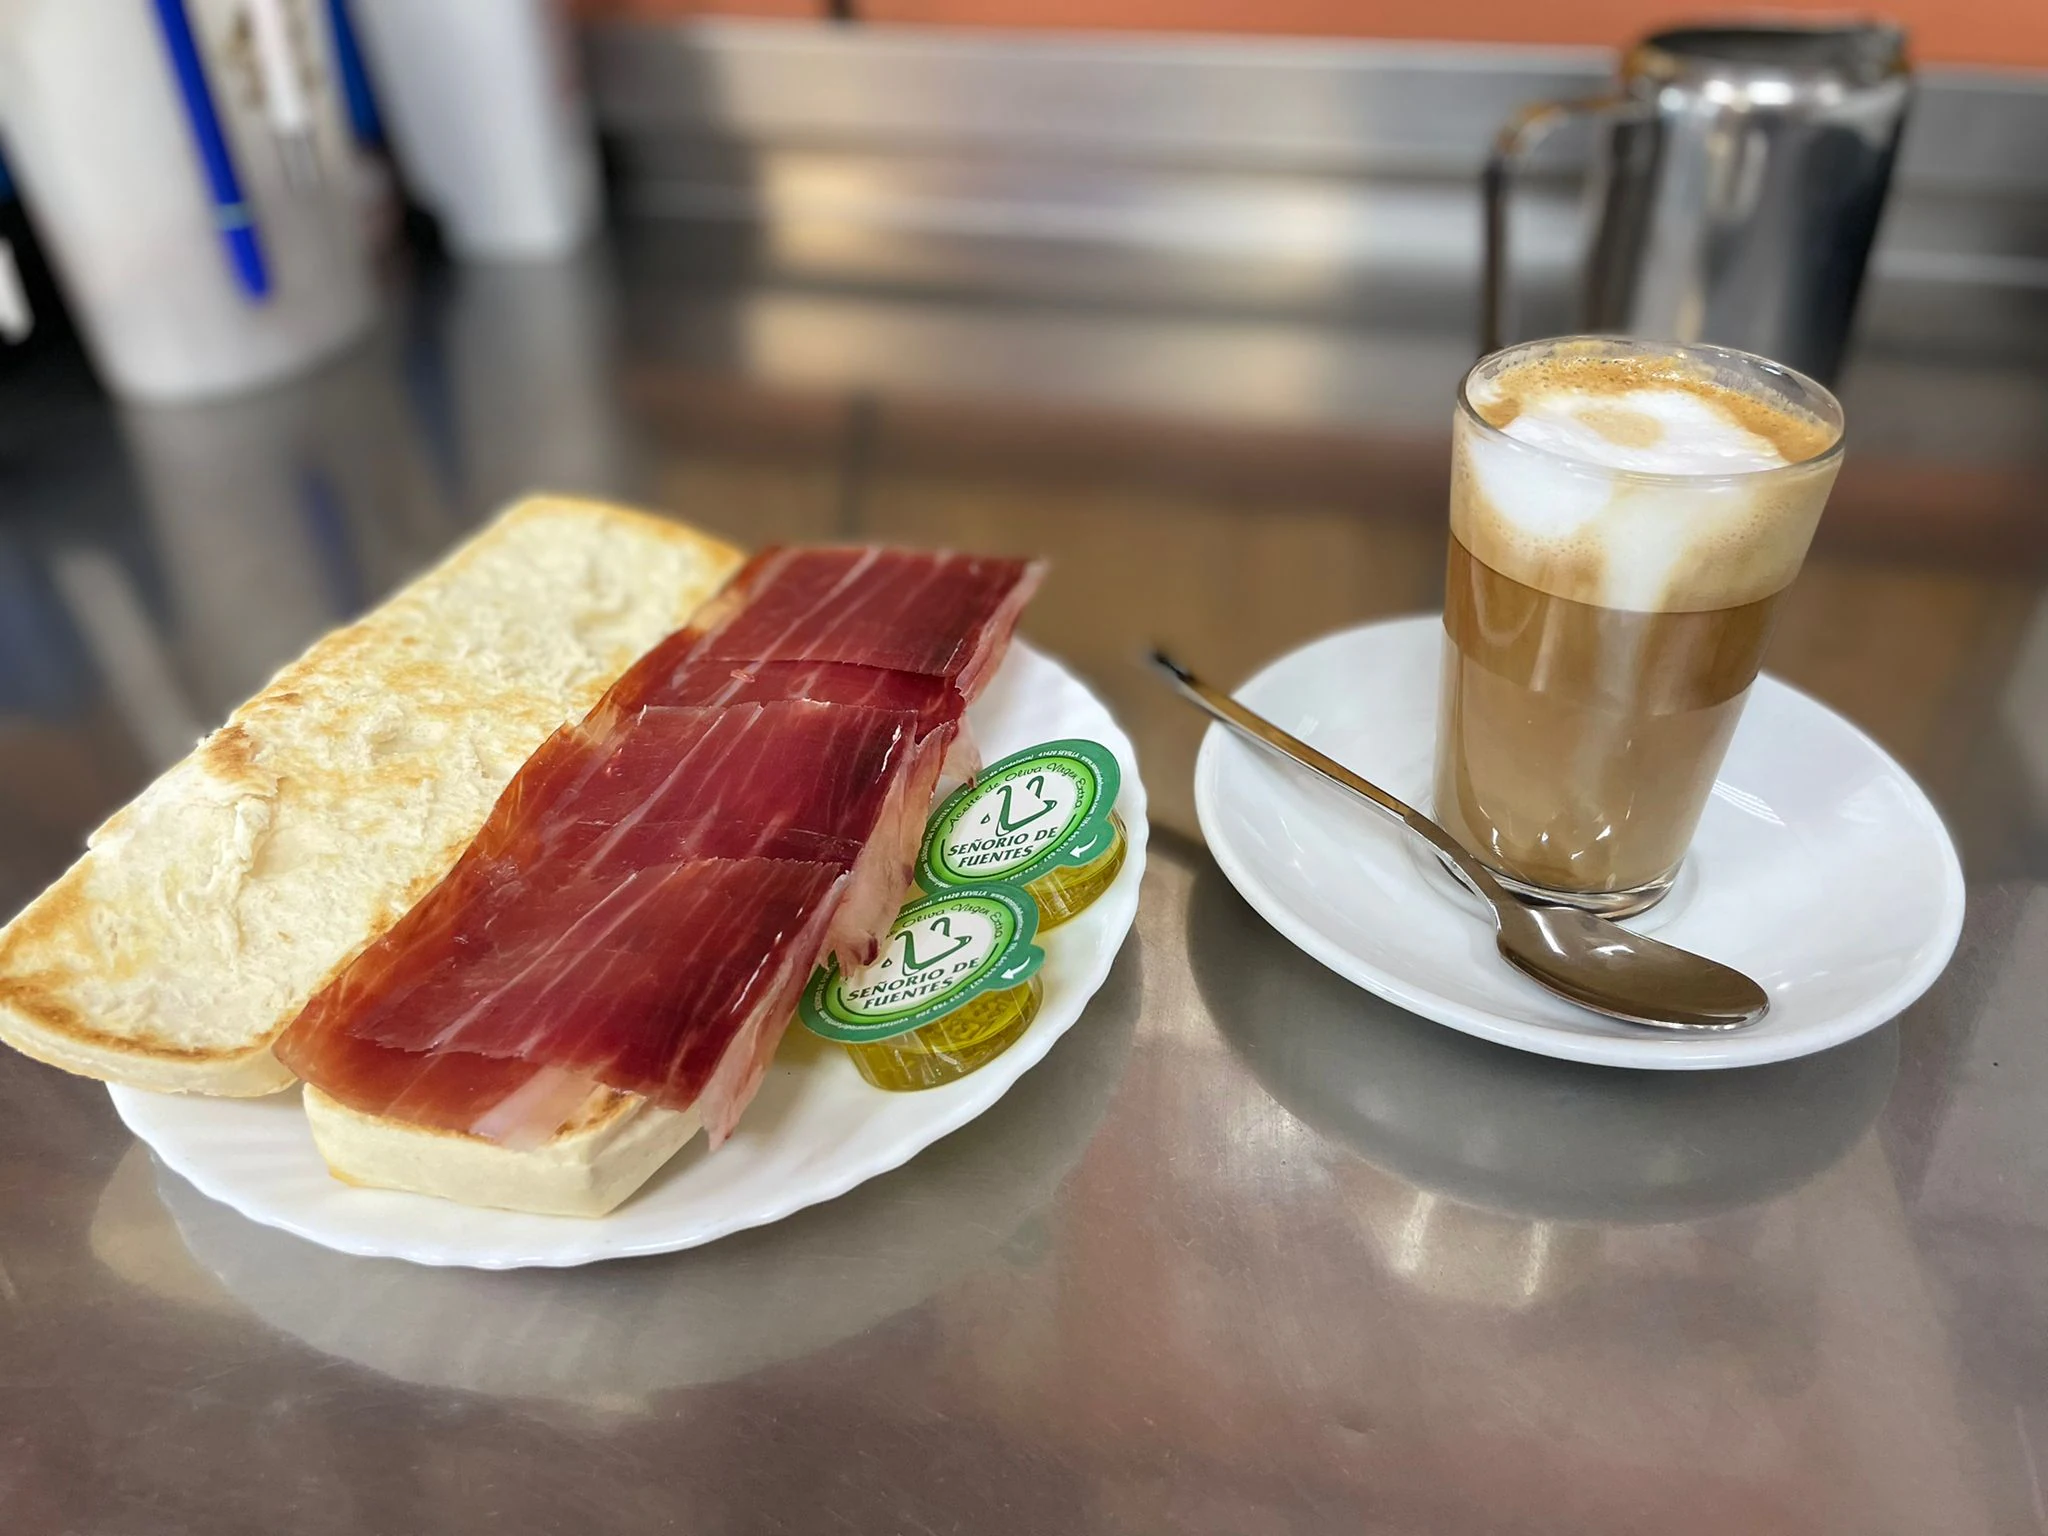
{"points": [[205, 913], [586, 1168]]}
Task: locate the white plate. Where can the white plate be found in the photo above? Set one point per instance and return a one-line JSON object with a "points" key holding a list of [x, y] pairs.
{"points": [[815, 1130], [1819, 868]]}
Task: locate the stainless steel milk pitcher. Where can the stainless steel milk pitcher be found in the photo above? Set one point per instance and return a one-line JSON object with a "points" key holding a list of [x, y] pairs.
{"points": [[1737, 186]]}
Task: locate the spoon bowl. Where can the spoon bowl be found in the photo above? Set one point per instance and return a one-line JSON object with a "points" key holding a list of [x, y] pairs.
{"points": [[1600, 965]]}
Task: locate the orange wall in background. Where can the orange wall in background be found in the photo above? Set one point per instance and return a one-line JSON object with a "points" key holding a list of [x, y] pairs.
{"points": [[2006, 32], [1996, 32]]}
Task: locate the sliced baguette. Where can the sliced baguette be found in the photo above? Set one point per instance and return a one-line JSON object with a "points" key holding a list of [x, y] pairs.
{"points": [[589, 1166], [204, 914]]}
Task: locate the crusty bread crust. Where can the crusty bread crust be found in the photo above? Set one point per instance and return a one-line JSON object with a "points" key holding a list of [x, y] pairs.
{"points": [[205, 913], [587, 1168]]}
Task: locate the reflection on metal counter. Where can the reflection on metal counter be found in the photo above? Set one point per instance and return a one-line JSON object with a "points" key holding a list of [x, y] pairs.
{"points": [[529, 378], [280, 514], [614, 1335], [1511, 1132], [1573, 1254]]}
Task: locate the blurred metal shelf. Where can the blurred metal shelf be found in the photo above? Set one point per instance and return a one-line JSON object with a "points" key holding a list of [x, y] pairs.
{"points": [[1271, 174]]}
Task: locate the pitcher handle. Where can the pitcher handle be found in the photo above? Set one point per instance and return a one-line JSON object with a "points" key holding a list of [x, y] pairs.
{"points": [[1528, 128]]}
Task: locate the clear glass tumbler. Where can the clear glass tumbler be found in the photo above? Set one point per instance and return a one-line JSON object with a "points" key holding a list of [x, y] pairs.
{"points": [[1611, 589]]}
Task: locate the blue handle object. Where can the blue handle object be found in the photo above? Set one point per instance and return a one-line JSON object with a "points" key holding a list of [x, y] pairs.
{"points": [[231, 210], [355, 79]]}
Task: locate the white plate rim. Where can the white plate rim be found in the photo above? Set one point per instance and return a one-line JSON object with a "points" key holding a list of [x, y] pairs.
{"points": [[1651, 1053], [967, 1100]]}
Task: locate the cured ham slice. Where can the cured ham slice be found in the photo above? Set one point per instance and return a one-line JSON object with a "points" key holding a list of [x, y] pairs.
{"points": [[648, 897], [675, 674], [946, 615], [517, 1103], [569, 973], [794, 779], [680, 677], [845, 787], [601, 987]]}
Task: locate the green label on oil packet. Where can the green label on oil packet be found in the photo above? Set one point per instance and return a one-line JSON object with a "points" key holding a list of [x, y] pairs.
{"points": [[1032, 812], [943, 951]]}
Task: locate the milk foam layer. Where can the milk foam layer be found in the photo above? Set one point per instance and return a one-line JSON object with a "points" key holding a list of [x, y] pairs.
{"points": [[1557, 498], [1656, 431]]}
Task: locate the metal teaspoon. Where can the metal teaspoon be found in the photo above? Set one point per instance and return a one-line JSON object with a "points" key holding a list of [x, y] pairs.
{"points": [[1582, 958]]}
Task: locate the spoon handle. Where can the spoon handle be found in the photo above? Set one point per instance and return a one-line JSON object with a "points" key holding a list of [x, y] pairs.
{"points": [[1221, 706]]}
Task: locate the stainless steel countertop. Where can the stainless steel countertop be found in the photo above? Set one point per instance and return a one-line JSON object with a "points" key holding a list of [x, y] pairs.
{"points": [[1251, 1252]]}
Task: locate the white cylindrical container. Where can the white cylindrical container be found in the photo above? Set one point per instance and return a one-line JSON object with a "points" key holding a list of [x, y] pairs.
{"points": [[102, 138], [485, 109]]}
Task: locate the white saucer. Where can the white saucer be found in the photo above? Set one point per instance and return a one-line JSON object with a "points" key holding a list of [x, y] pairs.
{"points": [[814, 1131], [1820, 868]]}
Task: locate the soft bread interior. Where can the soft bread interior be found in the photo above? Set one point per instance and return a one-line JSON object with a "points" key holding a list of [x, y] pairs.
{"points": [[587, 1169], [204, 914]]}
